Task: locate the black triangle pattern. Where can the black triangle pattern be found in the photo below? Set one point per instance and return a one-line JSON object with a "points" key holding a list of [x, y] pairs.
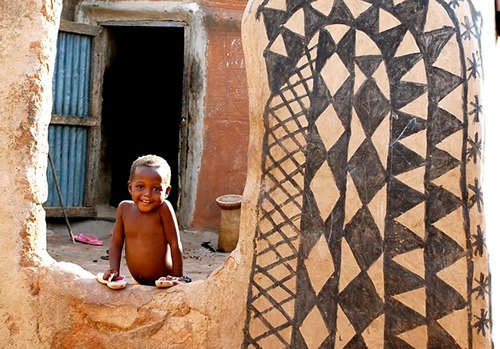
{"points": [[364, 238], [442, 299], [338, 161], [357, 342], [434, 42], [403, 198], [404, 125], [400, 318], [440, 203], [368, 64], [401, 240], [294, 5], [414, 13], [442, 163], [341, 13], [444, 124], [326, 47], [368, 20], [367, 171], [437, 334], [293, 42], [343, 100], [360, 300], [400, 280], [402, 65], [443, 82], [407, 92], [441, 252], [371, 106], [345, 49], [313, 21], [393, 342], [405, 159], [316, 151], [389, 40], [278, 68], [273, 19]]}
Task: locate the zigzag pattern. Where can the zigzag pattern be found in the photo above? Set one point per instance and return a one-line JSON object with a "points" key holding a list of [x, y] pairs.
{"points": [[365, 224]]}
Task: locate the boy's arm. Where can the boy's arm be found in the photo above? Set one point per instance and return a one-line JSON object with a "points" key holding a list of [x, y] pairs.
{"points": [[116, 244], [171, 229]]}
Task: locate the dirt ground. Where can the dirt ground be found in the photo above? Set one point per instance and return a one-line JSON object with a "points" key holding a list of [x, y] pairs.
{"points": [[200, 247]]}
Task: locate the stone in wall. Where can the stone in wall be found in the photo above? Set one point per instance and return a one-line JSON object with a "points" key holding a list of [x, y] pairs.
{"points": [[370, 227]]}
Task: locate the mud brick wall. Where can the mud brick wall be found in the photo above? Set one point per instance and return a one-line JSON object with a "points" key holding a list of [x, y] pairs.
{"points": [[362, 217], [226, 125], [369, 229]]}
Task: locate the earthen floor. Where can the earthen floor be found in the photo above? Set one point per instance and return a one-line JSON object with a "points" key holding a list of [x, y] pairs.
{"points": [[200, 259]]}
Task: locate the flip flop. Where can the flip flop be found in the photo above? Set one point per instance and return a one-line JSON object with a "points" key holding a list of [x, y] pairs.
{"points": [[106, 257], [168, 281], [88, 239], [114, 284]]}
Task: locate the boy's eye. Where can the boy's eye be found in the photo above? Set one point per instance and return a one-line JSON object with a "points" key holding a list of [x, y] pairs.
{"points": [[156, 189], [139, 187]]}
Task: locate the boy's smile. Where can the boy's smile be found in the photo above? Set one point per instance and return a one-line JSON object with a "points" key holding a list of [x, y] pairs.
{"points": [[148, 189]]}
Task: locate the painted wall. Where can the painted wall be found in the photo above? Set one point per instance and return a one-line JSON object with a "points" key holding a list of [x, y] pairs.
{"points": [[320, 244], [226, 125], [370, 227]]}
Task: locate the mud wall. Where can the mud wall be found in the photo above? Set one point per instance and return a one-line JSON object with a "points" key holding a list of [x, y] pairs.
{"points": [[356, 202], [46, 304], [224, 159], [370, 227]]}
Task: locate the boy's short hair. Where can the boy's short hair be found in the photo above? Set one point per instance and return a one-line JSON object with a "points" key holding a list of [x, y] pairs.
{"points": [[153, 161]]}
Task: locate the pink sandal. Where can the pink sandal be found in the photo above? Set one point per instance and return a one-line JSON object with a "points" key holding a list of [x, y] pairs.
{"points": [[88, 239], [117, 284], [168, 281]]}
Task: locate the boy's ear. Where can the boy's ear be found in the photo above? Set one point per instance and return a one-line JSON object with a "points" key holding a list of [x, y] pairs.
{"points": [[167, 191], [129, 186]]}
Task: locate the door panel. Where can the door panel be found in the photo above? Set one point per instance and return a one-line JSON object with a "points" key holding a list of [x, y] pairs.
{"points": [[74, 130]]}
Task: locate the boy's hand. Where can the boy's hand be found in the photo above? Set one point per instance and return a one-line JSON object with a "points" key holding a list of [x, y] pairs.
{"points": [[110, 272]]}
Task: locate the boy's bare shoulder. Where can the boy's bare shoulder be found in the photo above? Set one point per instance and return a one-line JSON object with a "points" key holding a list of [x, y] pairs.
{"points": [[167, 210], [167, 207], [125, 204]]}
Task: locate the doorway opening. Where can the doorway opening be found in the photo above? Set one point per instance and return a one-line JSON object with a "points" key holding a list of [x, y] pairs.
{"points": [[142, 103]]}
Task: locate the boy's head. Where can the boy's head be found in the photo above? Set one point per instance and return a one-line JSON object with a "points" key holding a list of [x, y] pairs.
{"points": [[153, 161]]}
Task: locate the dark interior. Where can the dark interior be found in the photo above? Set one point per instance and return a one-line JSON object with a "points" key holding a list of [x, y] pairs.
{"points": [[142, 102]]}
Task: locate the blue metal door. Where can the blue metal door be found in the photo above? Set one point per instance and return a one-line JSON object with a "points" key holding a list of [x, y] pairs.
{"points": [[74, 135]]}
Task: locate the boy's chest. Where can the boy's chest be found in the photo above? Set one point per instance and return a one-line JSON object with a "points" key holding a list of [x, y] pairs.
{"points": [[142, 225]]}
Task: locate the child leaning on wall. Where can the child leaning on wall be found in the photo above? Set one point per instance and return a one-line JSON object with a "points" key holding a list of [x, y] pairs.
{"points": [[147, 227]]}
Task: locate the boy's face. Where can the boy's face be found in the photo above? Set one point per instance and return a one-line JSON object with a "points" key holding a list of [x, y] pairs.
{"points": [[148, 189]]}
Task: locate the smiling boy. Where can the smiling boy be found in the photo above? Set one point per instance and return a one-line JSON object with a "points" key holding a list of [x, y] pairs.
{"points": [[147, 227]]}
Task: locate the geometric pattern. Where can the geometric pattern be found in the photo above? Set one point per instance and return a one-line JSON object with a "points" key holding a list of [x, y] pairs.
{"points": [[370, 230]]}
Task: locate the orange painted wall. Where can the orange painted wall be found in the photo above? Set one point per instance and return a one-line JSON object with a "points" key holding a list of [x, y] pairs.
{"points": [[235, 5], [226, 124]]}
